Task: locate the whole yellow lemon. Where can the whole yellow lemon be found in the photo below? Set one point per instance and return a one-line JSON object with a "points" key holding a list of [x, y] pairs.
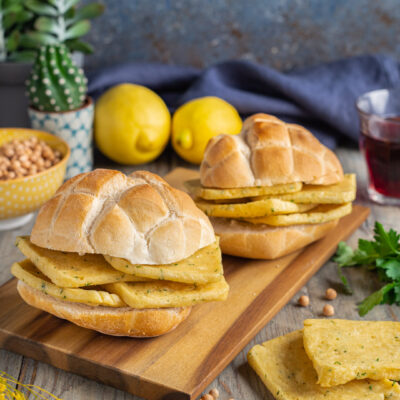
{"points": [[197, 121], [132, 124]]}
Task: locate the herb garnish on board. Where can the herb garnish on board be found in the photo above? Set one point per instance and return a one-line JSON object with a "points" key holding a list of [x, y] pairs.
{"points": [[381, 255]]}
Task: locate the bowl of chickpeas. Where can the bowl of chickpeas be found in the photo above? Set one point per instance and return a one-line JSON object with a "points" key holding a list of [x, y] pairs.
{"points": [[32, 168]]}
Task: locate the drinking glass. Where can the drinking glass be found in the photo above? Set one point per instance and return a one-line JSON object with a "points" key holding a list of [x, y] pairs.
{"points": [[379, 113]]}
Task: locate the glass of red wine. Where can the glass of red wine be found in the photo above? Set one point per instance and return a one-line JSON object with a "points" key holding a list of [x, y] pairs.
{"points": [[379, 113]]}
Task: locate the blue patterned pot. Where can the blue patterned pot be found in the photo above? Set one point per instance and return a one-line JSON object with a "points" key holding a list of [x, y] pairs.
{"points": [[76, 128]]}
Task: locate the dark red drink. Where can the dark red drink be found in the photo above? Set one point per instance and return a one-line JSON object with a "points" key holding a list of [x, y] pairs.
{"points": [[381, 146]]}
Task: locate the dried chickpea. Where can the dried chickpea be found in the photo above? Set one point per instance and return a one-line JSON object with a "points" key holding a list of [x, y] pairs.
{"points": [[303, 301], [330, 294], [328, 310], [26, 164], [32, 170], [26, 157], [207, 397], [15, 164], [8, 152], [47, 153], [214, 393]]}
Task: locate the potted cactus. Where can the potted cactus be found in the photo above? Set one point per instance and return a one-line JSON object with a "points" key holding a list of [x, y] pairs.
{"points": [[57, 91], [25, 25]]}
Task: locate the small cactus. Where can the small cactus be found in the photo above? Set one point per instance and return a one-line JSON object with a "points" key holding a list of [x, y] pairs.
{"points": [[56, 83]]}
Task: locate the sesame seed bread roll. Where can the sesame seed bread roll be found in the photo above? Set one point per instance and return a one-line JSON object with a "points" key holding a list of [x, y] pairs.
{"points": [[138, 217], [268, 152]]}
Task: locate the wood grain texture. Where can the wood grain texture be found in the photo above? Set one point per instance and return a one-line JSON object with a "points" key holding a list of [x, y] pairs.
{"points": [[258, 290], [237, 380]]}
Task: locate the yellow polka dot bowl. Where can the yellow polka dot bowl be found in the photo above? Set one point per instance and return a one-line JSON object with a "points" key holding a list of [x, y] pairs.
{"points": [[20, 197]]}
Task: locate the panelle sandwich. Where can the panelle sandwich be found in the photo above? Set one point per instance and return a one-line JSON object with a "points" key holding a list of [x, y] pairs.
{"points": [[123, 255], [271, 190]]}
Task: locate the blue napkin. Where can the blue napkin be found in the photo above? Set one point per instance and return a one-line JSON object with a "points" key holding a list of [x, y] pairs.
{"points": [[321, 98]]}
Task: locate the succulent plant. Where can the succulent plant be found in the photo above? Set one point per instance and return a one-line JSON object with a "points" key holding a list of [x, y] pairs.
{"points": [[14, 17], [25, 25], [56, 83]]}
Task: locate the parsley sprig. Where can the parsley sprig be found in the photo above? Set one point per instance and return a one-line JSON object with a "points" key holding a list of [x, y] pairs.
{"points": [[381, 255]]}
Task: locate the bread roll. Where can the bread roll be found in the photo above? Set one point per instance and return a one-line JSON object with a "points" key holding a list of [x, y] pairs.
{"points": [[244, 239], [110, 321], [268, 152], [138, 217]]}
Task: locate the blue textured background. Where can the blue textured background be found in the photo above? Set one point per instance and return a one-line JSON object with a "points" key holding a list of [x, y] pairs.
{"points": [[281, 33]]}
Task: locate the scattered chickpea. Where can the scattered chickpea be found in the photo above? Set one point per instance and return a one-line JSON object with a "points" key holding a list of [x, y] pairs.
{"points": [[303, 301], [328, 310], [207, 397], [330, 294], [214, 393], [19, 158]]}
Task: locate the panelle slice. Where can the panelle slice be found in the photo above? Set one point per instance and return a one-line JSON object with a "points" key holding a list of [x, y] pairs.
{"points": [[196, 190], [343, 350], [252, 209], [283, 366], [202, 267], [159, 294], [318, 215], [342, 192], [70, 269], [27, 272]]}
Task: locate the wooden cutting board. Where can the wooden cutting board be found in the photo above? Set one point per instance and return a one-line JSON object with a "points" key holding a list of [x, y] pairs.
{"points": [[181, 364]]}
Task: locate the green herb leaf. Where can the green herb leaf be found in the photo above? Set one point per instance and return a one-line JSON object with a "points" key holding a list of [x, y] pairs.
{"points": [[344, 255], [374, 299], [387, 242], [346, 285], [382, 255], [396, 291], [392, 269]]}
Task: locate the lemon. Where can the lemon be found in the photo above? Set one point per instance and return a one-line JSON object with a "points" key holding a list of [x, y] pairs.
{"points": [[132, 124], [197, 121]]}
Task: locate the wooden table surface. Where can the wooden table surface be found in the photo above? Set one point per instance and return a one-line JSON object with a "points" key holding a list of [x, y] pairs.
{"points": [[237, 381]]}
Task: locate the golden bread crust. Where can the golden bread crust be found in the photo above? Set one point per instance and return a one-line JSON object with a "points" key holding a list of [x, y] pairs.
{"points": [[268, 152], [244, 239], [108, 320], [137, 217]]}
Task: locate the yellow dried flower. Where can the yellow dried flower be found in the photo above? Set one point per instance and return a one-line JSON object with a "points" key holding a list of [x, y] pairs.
{"points": [[18, 396], [12, 393]]}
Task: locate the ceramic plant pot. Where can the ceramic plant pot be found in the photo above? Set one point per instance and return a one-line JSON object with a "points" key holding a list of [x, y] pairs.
{"points": [[76, 128]]}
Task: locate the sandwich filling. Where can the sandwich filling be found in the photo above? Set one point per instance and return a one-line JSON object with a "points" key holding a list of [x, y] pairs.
{"points": [[291, 204], [93, 280]]}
